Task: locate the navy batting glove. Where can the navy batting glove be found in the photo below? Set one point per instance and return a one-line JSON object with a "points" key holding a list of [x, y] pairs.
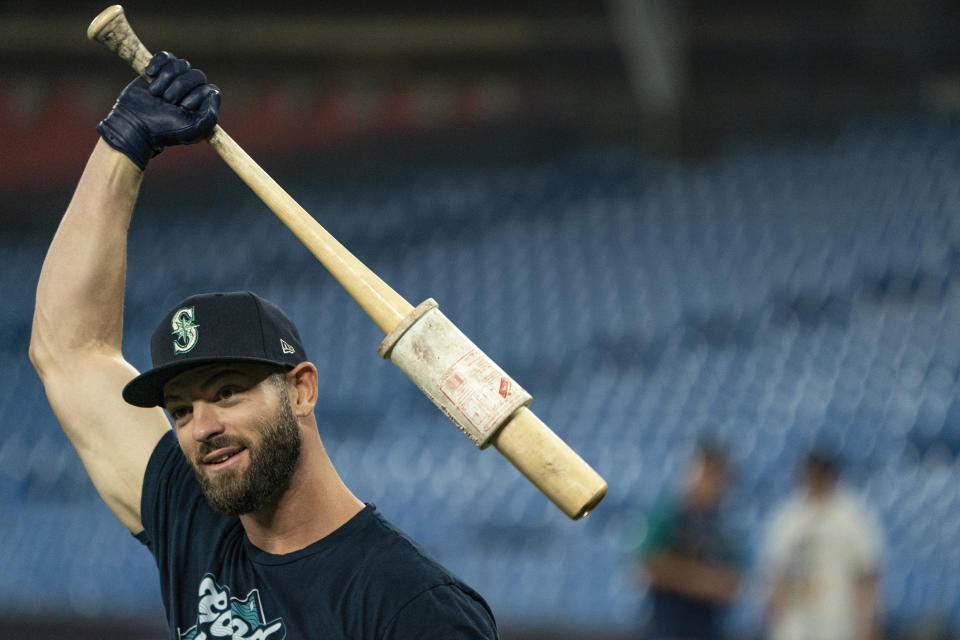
{"points": [[176, 106]]}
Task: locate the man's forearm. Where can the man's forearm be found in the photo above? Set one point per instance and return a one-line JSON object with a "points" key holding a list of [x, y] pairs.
{"points": [[867, 608], [80, 291], [693, 578]]}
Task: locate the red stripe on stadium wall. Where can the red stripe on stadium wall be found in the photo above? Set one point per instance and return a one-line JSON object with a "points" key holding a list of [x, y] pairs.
{"points": [[46, 135]]}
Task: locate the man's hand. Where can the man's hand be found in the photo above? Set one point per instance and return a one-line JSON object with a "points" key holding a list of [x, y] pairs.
{"points": [[176, 106]]}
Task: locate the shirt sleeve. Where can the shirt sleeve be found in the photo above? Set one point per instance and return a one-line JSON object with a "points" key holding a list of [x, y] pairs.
{"points": [[659, 531], [151, 513], [441, 613]]}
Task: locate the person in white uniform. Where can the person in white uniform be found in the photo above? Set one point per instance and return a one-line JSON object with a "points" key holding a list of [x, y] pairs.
{"points": [[822, 554]]}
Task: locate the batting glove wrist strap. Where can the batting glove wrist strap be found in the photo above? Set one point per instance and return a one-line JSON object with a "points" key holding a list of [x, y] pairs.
{"points": [[177, 106], [123, 131]]}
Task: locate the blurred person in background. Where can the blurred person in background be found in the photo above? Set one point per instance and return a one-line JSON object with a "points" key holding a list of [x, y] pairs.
{"points": [[688, 560], [821, 556]]}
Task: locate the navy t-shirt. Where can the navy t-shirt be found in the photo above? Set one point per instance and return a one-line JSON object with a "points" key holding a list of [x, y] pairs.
{"points": [[365, 580]]}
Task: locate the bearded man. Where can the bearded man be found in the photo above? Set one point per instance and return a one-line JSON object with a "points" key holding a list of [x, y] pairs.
{"points": [[254, 533]]}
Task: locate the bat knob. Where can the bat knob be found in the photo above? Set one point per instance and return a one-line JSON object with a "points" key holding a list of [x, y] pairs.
{"points": [[106, 16], [112, 30]]}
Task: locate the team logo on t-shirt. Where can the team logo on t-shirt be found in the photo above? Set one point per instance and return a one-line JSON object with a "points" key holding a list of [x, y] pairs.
{"points": [[219, 615]]}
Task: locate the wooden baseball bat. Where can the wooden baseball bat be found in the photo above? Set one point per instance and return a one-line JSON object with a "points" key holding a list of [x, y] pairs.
{"points": [[544, 458]]}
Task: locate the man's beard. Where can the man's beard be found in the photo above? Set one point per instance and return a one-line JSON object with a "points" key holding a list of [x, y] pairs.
{"points": [[270, 468]]}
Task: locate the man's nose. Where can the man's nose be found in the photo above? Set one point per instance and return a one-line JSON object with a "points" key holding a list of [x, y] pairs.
{"points": [[206, 421]]}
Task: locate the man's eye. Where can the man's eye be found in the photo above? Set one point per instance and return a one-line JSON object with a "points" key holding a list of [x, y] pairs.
{"points": [[228, 392], [178, 413]]}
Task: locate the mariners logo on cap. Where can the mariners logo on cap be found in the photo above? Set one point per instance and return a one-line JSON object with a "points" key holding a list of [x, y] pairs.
{"points": [[184, 330]]}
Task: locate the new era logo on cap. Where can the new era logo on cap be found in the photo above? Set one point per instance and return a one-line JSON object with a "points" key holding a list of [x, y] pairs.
{"points": [[215, 327]]}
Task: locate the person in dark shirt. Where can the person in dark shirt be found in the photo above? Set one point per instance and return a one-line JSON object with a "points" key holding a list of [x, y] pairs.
{"points": [[689, 562], [254, 532]]}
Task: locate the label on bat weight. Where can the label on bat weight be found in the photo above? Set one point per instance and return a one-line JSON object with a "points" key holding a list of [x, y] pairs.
{"points": [[464, 383], [478, 390]]}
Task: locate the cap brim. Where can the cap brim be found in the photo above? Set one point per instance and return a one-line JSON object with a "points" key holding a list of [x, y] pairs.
{"points": [[146, 390]]}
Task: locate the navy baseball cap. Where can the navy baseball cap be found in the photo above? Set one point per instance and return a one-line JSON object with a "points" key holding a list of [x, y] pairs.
{"points": [[207, 328]]}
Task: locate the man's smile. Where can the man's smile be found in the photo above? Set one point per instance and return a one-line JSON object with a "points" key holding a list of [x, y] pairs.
{"points": [[223, 457]]}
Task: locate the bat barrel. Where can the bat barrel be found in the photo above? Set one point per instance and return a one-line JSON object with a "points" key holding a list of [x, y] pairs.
{"points": [[489, 407], [550, 464]]}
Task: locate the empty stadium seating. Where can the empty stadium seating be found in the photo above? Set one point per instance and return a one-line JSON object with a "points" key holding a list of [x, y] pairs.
{"points": [[773, 295]]}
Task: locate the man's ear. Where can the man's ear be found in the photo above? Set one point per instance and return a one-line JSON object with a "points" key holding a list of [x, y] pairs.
{"points": [[302, 387]]}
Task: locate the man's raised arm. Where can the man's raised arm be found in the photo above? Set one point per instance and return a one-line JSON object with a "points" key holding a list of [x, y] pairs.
{"points": [[78, 319]]}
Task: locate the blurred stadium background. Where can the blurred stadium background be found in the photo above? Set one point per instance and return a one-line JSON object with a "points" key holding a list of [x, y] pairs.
{"points": [[665, 219]]}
